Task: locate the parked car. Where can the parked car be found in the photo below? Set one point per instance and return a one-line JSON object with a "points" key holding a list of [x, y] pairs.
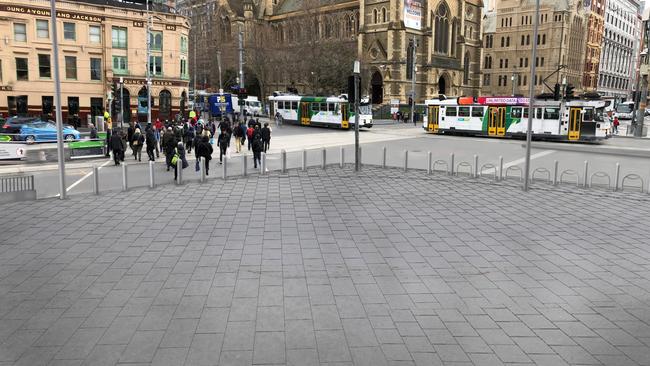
{"points": [[46, 131], [12, 126]]}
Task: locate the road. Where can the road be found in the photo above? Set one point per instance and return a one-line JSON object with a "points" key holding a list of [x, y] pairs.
{"points": [[395, 138]]}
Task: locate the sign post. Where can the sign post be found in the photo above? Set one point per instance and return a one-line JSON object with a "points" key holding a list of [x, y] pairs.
{"points": [[57, 99]]}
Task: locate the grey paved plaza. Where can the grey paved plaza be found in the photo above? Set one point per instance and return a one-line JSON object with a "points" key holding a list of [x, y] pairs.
{"points": [[327, 268]]}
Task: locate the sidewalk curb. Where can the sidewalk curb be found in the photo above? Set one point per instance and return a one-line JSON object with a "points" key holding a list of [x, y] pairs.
{"points": [[599, 149]]}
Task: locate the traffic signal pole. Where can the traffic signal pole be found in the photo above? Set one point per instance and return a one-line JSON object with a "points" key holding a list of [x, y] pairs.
{"points": [[413, 80], [531, 100], [57, 99]]}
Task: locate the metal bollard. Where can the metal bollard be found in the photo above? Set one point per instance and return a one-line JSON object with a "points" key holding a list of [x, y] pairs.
{"points": [[152, 178], [451, 165], [586, 178], [324, 159], [406, 160], [95, 179], [383, 160], [475, 166], [360, 158], [342, 157], [225, 167], [263, 164], [429, 162], [284, 161], [179, 164], [125, 182], [202, 172], [618, 176], [500, 168], [556, 170], [304, 159], [244, 167]]}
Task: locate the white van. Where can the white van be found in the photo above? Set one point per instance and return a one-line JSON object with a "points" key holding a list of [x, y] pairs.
{"points": [[252, 105]]}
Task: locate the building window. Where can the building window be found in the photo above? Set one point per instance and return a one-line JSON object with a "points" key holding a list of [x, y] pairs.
{"points": [[503, 42], [155, 65], [22, 70], [501, 63], [71, 67], [165, 103], [375, 16], [543, 38], [44, 67], [507, 41], [184, 69], [384, 15], [47, 102], [120, 65], [119, 36], [156, 41], [183, 44], [466, 69], [69, 31], [94, 34], [441, 43], [20, 32], [522, 39], [505, 80], [42, 28], [95, 69], [506, 64], [486, 80], [528, 40], [73, 106]]}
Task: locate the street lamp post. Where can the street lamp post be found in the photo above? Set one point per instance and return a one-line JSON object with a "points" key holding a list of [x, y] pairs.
{"points": [[413, 70], [121, 103], [357, 75], [57, 96], [531, 100], [512, 80], [149, 20]]}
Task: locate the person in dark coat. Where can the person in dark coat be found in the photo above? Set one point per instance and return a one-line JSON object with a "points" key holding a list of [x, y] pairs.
{"points": [[137, 140], [93, 131], [117, 145], [258, 147], [152, 144], [204, 150], [129, 136], [223, 141], [169, 144], [182, 159], [190, 134], [266, 136]]}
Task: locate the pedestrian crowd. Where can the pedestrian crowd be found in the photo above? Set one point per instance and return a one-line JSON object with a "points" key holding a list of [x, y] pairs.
{"points": [[176, 140]]}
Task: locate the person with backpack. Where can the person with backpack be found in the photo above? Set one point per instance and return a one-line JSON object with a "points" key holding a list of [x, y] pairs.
{"points": [[169, 144], [258, 146], [117, 146], [204, 150], [266, 136], [190, 134], [152, 143], [178, 158], [249, 135], [237, 133], [136, 144]]}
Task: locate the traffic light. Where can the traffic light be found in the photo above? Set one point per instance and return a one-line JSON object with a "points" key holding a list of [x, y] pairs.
{"points": [[556, 92], [117, 102], [568, 93], [410, 102]]}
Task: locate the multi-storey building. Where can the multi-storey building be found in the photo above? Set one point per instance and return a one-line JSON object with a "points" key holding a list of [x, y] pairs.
{"points": [[595, 10], [300, 38], [618, 60], [100, 42], [508, 43]]}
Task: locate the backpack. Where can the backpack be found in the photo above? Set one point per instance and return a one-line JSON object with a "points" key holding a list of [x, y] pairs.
{"points": [[136, 138]]}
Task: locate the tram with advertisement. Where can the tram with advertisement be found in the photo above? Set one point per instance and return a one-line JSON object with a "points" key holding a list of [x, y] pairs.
{"points": [[333, 112], [572, 120]]}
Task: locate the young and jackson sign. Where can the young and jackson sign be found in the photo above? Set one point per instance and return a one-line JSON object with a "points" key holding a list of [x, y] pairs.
{"points": [[46, 13]]}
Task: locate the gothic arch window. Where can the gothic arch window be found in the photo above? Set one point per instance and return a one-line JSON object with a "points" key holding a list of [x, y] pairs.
{"points": [[375, 16], [441, 29], [384, 16], [466, 69], [165, 102], [350, 25], [356, 23], [225, 29]]}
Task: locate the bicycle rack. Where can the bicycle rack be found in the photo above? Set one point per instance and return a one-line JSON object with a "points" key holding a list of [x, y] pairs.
{"points": [[464, 164], [489, 166], [515, 169], [442, 163], [541, 171], [570, 172], [632, 177], [600, 175]]}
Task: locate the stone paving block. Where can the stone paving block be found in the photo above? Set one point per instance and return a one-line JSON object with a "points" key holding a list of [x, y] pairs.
{"points": [[142, 346]]}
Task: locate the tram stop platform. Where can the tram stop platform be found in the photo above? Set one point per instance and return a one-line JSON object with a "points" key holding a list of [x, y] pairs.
{"points": [[327, 267]]}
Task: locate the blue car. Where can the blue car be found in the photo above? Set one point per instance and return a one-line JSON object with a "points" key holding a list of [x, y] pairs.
{"points": [[46, 131]]}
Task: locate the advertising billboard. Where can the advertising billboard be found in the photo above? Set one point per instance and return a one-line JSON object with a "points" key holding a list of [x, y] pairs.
{"points": [[413, 14]]}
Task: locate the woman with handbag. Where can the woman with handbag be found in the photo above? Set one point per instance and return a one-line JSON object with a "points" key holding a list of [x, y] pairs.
{"points": [[179, 159]]}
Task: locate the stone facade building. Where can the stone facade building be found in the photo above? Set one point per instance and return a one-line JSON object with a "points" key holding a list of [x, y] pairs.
{"points": [[306, 33], [595, 29], [99, 42], [508, 42]]}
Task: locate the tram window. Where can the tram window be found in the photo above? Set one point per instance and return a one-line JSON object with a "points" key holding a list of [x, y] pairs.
{"points": [[538, 113], [315, 107], [525, 112], [330, 107], [477, 112], [451, 112], [294, 105], [280, 105], [337, 108], [515, 113], [551, 113], [463, 111], [589, 114], [323, 107]]}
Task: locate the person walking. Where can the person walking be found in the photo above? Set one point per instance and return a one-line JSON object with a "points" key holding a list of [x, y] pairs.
{"points": [[237, 133], [616, 123], [158, 129], [117, 145], [249, 136], [129, 136], [109, 130], [169, 144], [93, 131], [189, 138], [223, 141], [258, 146], [136, 144], [266, 136], [152, 143], [181, 159], [204, 150]]}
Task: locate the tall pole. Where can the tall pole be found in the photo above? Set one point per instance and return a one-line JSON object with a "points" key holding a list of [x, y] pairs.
{"points": [[57, 99], [531, 100], [638, 132], [149, 19], [357, 74], [512, 79], [121, 103], [219, 67], [241, 68], [413, 79]]}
